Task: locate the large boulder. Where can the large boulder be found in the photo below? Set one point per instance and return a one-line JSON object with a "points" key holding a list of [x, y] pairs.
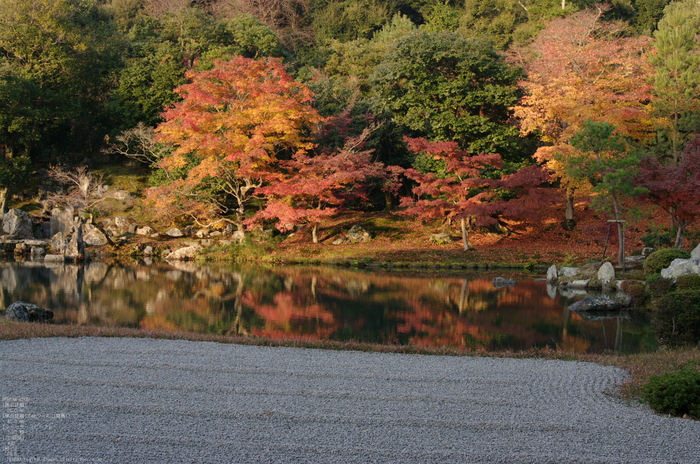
{"points": [[695, 254], [75, 249], [27, 312], [94, 237], [606, 273], [62, 220], [17, 224], [552, 273], [681, 267]]}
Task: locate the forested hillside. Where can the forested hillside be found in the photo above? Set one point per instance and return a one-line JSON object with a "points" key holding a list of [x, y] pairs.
{"points": [[289, 112]]}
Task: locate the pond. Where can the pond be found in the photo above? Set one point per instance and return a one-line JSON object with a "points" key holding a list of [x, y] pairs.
{"points": [[462, 310]]}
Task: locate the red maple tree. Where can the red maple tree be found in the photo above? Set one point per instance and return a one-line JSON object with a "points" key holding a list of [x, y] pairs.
{"points": [[674, 187], [463, 193], [307, 189]]}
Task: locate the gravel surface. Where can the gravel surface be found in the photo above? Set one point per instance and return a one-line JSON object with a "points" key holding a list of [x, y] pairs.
{"points": [[131, 400]]}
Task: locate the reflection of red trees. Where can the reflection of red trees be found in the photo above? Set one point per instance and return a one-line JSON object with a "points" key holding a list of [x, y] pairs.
{"points": [[288, 314]]}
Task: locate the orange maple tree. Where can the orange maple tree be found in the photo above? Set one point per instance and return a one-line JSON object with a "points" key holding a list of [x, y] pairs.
{"points": [[582, 68], [228, 131]]}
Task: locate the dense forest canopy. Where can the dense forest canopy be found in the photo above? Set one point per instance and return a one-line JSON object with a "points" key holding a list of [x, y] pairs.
{"points": [[80, 79]]}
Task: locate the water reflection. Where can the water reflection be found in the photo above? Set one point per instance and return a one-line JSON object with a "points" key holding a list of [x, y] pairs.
{"points": [[463, 311]]}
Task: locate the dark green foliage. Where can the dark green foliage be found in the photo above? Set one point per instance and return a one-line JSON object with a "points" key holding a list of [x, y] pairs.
{"points": [[688, 282], [444, 87], [656, 237], [57, 59], [661, 259], [677, 318], [676, 393], [647, 14], [659, 285]]}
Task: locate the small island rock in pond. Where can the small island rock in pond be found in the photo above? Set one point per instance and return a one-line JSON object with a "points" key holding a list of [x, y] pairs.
{"points": [[27, 312], [596, 303], [499, 282]]}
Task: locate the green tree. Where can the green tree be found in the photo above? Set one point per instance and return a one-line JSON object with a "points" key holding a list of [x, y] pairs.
{"points": [[676, 82], [57, 58], [444, 87], [609, 163]]}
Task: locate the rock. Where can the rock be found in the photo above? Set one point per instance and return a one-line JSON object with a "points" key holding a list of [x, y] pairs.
{"points": [[357, 234], [202, 233], [175, 233], [646, 251], [237, 236], [338, 241], [552, 273], [606, 273], [54, 258], [20, 248], [27, 312], [61, 220], [596, 303], [569, 272], [75, 249], [681, 267], [183, 254], [499, 282], [577, 284], [216, 233], [37, 252], [695, 254], [441, 239], [121, 195], [58, 243], [95, 237], [144, 230], [148, 251], [17, 224], [121, 223]]}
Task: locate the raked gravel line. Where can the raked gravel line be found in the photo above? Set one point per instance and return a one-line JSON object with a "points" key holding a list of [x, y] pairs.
{"points": [[111, 400]]}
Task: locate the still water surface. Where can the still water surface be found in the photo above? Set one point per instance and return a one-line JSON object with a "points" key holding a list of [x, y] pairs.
{"points": [[460, 310]]}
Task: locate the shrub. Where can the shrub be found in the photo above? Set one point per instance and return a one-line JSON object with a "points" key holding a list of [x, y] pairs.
{"points": [[677, 318], [636, 290], [688, 282], [661, 259], [660, 285], [675, 393]]}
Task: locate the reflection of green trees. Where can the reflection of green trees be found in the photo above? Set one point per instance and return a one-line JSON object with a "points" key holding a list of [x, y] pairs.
{"points": [[322, 304]]}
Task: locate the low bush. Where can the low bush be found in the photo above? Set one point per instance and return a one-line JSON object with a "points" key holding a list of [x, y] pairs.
{"points": [[676, 393], [636, 290], [688, 282], [661, 259], [677, 318], [661, 285]]}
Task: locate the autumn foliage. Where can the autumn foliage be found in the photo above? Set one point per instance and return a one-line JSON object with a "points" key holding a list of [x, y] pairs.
{"points": [[464, 193], [581, 68], [307, 188], [228, 131]]}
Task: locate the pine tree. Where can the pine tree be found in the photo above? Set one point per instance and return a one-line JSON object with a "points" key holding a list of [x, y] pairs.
{"points": [[676, 62]]}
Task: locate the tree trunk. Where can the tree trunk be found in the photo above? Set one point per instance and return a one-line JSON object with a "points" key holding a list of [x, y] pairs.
{"points": [[620, 232], [239, 225], [569, 221], [314, 235], [3, 200], [465, 241], [389, 200], [679, 235]]}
